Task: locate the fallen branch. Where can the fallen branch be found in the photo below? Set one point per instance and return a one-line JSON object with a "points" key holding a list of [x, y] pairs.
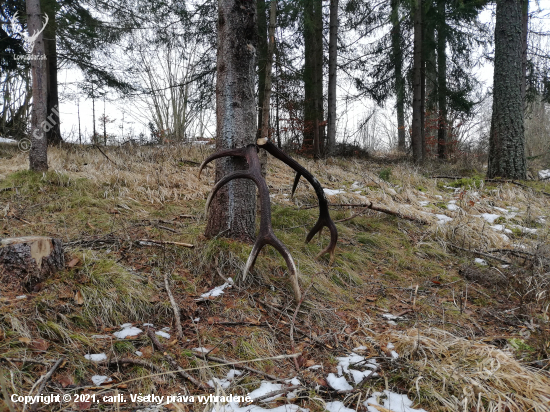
{"points": [[248, 368], [160, 347], [106, 157], [45, 379], [477, 252], [275, 393], [174, 306], [166, 242]]}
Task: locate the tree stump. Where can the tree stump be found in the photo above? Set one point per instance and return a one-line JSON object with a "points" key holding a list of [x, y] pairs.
{"points": [[27, 261]]}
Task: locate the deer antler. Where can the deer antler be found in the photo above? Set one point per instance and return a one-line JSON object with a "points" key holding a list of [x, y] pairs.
{"points": [[324, 215], [29, 40], [266, 235]]}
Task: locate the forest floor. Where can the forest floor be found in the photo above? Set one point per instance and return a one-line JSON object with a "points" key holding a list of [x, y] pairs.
{"points": [[438, 303]]}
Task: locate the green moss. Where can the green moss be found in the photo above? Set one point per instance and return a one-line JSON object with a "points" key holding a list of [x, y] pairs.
{"points": [[123, 347], [385, 174]]}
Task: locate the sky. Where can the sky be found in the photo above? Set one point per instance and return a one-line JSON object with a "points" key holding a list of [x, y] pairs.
{"points": [[132, 123]]}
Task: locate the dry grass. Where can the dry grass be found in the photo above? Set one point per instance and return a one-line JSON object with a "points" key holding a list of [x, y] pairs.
{"points": [[379, 261], [465, 375]]}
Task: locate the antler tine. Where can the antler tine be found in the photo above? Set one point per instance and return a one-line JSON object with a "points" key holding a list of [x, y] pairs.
{"points": [[244, 174], [324, 215], [295, 184], [228, 152], [265, 235]]}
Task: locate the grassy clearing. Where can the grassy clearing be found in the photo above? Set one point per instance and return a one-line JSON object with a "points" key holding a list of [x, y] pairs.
{"points": [[384, 265]]}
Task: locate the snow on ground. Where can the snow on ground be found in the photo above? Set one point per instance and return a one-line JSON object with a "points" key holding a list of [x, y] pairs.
{"points": [[99, 379], [338, 383], [96, 357], [201, 350], [218, 290], [265, 388], [443, 219], [234, 407], [480, 261], [333, 192], [224, 382], [489, 217], [544, 174], [393, 401], [127, 330], [6, 140], [162, 334], [337, 406]]}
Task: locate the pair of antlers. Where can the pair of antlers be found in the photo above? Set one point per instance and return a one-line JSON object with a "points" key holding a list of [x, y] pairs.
{"points": [[266, 235]]}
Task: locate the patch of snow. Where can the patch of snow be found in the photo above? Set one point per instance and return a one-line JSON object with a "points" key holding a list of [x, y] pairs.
{"points": [[149, 324], [234, 407], [390, 316], [345, 362], [504, 266], [99, 379], [500, 209], [438, 196], [358, 376], [394, 354], [338, 383], [139, 353], [501, 228], [393, 401], [333, 192], [162, 334], [452, 207], [201, 350], [513, 209], [391, 322], [480, 261], [337, 406], [166, 329], [541, 219], [424, 203], [196, 320], [264, 389], [443, 219], [525, 229], [21, 297], [233, 373], [390, 346], [96, 357], [544, 174], [217, 291], [127, 331], [125, 325], [223, 383], [6, 140], [489, 217], [294, 381], [356, 185], [315, 367], [361, 348]]}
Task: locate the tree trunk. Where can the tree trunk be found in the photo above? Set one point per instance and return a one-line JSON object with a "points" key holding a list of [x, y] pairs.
{"points": [[506, 141], [442, 148], [262, 63], [38, 155], [430, 90], [27, 261], [332, 59], [313, 71], [53, 135], [232, 211], [417, 126], [524, 38], [399, 81]]}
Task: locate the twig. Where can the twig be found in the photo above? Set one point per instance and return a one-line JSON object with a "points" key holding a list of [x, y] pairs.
{"points": [[167, 242], [248, 368], [45, 378], [23, 361], [131, 361], [352, 216], [292, 325], [173, 363], [477, 252], [275, 393], [103, 153], [6, 189], [174, 306]]}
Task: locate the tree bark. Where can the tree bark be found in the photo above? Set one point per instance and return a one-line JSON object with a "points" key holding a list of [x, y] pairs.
{"points": [[524, 38], [399, 80], [232, 212], [313, 72], [332, 59], [417, 126], [262, 59], [506, 140], [27, 261], [441, 82], [53, 135], [38, 155]]}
